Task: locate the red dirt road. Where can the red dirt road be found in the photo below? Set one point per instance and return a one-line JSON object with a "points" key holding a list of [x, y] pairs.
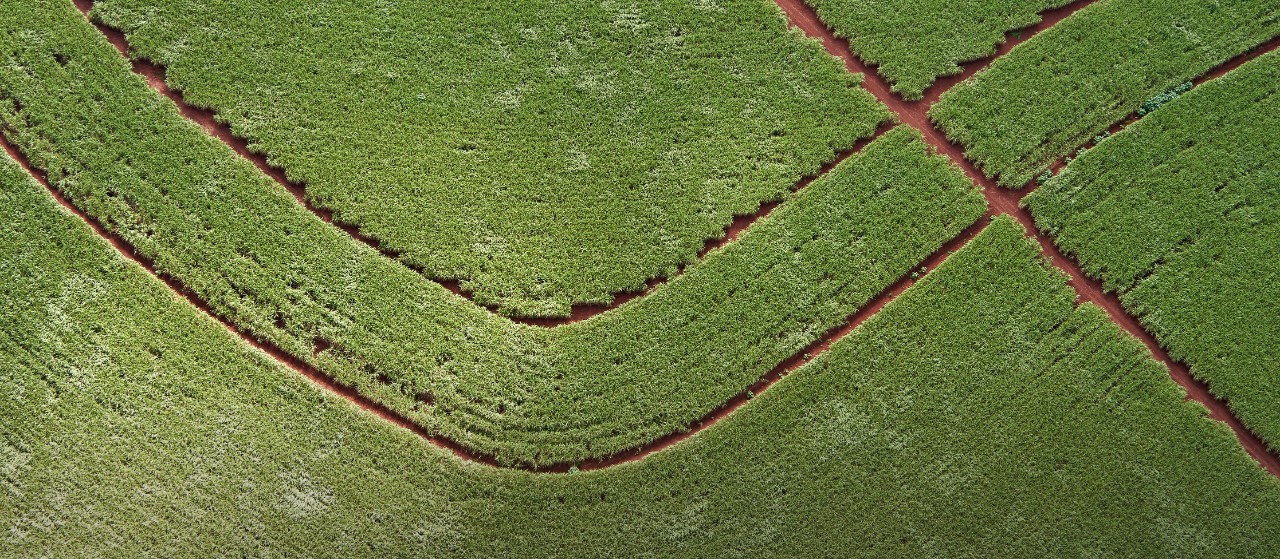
{"points": [[328, 383]]}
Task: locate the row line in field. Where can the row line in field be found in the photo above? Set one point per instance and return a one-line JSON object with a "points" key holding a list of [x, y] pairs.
{"points": [[326, 382]]}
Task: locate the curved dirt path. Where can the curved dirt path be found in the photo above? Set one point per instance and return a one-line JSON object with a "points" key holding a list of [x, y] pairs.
{"points": [[913, 113], [1006, 201], [154, 74], [873, 306]]}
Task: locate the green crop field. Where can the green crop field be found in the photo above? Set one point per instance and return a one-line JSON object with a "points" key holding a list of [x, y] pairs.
{"points": [[516, 392], [886, 355], [1198, 181], [913, 43], [546, 155], [919, 419]]}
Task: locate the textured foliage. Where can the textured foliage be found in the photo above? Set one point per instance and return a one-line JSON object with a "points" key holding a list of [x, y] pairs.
{"points": [[543, 152], [1075, 79], [980, 400], [914, 42], [1180, 213], [980, 412], [518, 393]]}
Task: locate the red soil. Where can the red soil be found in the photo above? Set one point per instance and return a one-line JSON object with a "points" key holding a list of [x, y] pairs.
{"points": [[1001, 201], [1007, 201]]}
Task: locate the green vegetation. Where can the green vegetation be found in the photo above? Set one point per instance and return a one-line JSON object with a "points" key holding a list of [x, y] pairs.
{"points": [[1162, 99], [980, 400], [980, 413], [1180, 213], [543, 152], [1055, 91], [914, 42], [518, 393]]}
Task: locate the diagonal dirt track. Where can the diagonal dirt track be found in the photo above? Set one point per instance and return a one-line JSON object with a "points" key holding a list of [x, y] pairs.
{"points": [[1000, 201], [1005, 201]]}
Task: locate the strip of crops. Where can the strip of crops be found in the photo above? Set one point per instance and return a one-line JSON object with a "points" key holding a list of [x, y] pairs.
{"points": [[133, 426], [1180, 213], [545, 153], [1072, 81], [520, 394], [914, 42]]}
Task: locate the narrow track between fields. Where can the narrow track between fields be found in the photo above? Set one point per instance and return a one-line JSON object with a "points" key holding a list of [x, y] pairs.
{"points": [[1008, 201]]}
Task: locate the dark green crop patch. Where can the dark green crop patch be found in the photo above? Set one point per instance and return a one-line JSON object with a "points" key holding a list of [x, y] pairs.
{"points": [[1163, 98]]}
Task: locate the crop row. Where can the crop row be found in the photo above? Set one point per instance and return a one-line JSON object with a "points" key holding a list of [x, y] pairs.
{"points": [[1072, 81], [980, 400], [544, 153], [914, 42], [236, 240], [1180, 213]]}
